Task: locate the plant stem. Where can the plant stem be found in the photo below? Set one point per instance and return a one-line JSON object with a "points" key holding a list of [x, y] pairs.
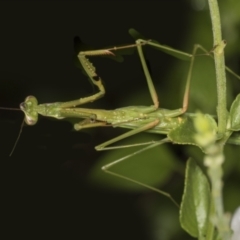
{"points": [[213, 160], [219, 66], [215, 157]]}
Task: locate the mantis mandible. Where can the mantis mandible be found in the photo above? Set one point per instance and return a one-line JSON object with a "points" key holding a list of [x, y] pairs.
{"points": [[175, 124]]}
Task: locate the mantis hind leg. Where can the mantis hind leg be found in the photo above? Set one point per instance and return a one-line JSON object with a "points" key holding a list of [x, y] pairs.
{"points": [[152, 144], [107, 168], [104, 146]]}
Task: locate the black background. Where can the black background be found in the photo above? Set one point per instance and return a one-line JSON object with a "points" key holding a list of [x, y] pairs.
{"points": [[44, 188]]}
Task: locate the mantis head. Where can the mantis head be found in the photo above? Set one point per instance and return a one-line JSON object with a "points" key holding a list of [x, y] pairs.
{"points": [[29, 107]]}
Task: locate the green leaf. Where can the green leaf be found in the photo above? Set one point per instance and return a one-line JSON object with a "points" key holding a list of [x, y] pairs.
{"points": [[195, 206], [235, 114], [186, 132], [234, 139]]}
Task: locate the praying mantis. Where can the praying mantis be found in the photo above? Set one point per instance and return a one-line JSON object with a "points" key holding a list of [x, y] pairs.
{"points": [[177, 125]]}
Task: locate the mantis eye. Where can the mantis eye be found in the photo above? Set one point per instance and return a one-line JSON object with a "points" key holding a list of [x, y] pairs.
{"points": [[29, 107]]}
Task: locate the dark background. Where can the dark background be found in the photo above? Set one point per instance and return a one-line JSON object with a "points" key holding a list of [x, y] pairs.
{"points": [[52, 184]]}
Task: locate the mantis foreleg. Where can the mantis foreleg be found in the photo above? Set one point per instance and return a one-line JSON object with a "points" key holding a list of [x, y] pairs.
{"points": [[151, 87], [94, 77]]}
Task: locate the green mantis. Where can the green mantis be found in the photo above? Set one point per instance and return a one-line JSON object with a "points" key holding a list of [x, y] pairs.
{"points": [[177, 125]]}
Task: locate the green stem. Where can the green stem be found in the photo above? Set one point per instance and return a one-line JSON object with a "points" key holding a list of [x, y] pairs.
{"points": [[219, 66], [215, 156], [213, 160]]}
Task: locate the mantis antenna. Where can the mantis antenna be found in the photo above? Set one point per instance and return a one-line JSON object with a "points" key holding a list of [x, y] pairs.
{"points": [[20, 131]]}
